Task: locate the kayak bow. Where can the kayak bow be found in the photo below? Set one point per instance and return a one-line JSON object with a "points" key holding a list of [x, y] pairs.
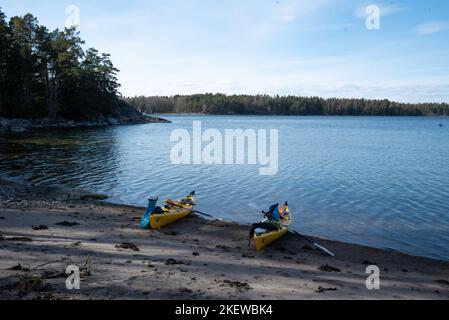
{"points": [[172, 212]]}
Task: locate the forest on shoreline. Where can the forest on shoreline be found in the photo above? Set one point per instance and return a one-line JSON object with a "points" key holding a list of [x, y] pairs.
{"points": [[48, 75], [221, 104]]}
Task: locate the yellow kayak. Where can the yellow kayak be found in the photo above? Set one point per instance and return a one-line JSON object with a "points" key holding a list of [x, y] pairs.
{"points": [[273, 228], [261, 241], [173, 212]]}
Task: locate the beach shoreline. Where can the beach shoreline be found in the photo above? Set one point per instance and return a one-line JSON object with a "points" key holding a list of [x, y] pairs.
{"points": [[192, 259]]}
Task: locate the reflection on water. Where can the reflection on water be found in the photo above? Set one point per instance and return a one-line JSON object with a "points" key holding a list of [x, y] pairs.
{"points": [[67, 158], [377, 181]]}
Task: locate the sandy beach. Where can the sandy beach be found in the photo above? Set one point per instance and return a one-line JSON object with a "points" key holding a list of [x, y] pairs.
{"points": [[193, 259]]}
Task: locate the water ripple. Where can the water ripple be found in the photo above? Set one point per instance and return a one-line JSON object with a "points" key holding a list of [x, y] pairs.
{"points": [[382, 182]]}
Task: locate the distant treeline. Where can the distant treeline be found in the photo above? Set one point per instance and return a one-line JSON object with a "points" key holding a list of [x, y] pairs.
{"points": [[221, 104], [47, 74]]}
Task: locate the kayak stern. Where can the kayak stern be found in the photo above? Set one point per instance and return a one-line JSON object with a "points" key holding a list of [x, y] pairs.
{"points": [[161, 220], [263, 240]]}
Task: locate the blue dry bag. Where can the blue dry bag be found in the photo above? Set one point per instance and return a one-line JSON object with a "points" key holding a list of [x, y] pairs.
{"points": [[145, 221]]}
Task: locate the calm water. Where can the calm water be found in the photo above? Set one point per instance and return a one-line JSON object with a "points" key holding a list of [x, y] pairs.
{"points": [[382, 182]]}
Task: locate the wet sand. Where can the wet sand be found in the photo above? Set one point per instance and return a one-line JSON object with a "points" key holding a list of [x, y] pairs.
{"points": [[192, 259]]}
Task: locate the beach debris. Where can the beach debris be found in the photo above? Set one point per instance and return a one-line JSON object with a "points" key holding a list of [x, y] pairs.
{"points": [[2, 218], [328, 268], [196, 254], [185, 290], [54, 275], [39, 228], [173, 262], [369, 263], [172, 233], [68, 224], [51, 274], [248, 256], [86, 268], [239, 286], [442, 281], [321, 289], [28, 283], [128, 246], [405, 271], [19, 267]]}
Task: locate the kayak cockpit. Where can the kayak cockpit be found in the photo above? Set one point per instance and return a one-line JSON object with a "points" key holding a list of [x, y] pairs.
{"points": [[273, 227]]}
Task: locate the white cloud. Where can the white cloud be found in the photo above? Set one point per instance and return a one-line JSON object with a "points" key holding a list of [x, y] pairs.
{"points": [[288, 18], [287, 10], [432, 27]]}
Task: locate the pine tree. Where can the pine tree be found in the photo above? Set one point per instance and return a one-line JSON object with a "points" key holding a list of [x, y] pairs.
{"points": [[48, 75], [4, 45]]}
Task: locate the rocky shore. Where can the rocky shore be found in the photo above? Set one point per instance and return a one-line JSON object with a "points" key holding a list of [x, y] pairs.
{"points": [[23, 125], [124, 115]]}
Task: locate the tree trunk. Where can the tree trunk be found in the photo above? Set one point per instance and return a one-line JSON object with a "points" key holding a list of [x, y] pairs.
{"points": [[51, 91], [54, 97]]}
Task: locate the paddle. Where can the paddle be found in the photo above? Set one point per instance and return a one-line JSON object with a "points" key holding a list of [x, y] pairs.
{"points": [[171, 202], [314, 243]]}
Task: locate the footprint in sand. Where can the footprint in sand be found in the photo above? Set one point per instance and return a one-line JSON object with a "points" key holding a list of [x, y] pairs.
{"points": [[241, 287]]}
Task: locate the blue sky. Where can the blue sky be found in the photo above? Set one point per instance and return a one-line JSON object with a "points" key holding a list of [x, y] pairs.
{"points": [[313, 47]]}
